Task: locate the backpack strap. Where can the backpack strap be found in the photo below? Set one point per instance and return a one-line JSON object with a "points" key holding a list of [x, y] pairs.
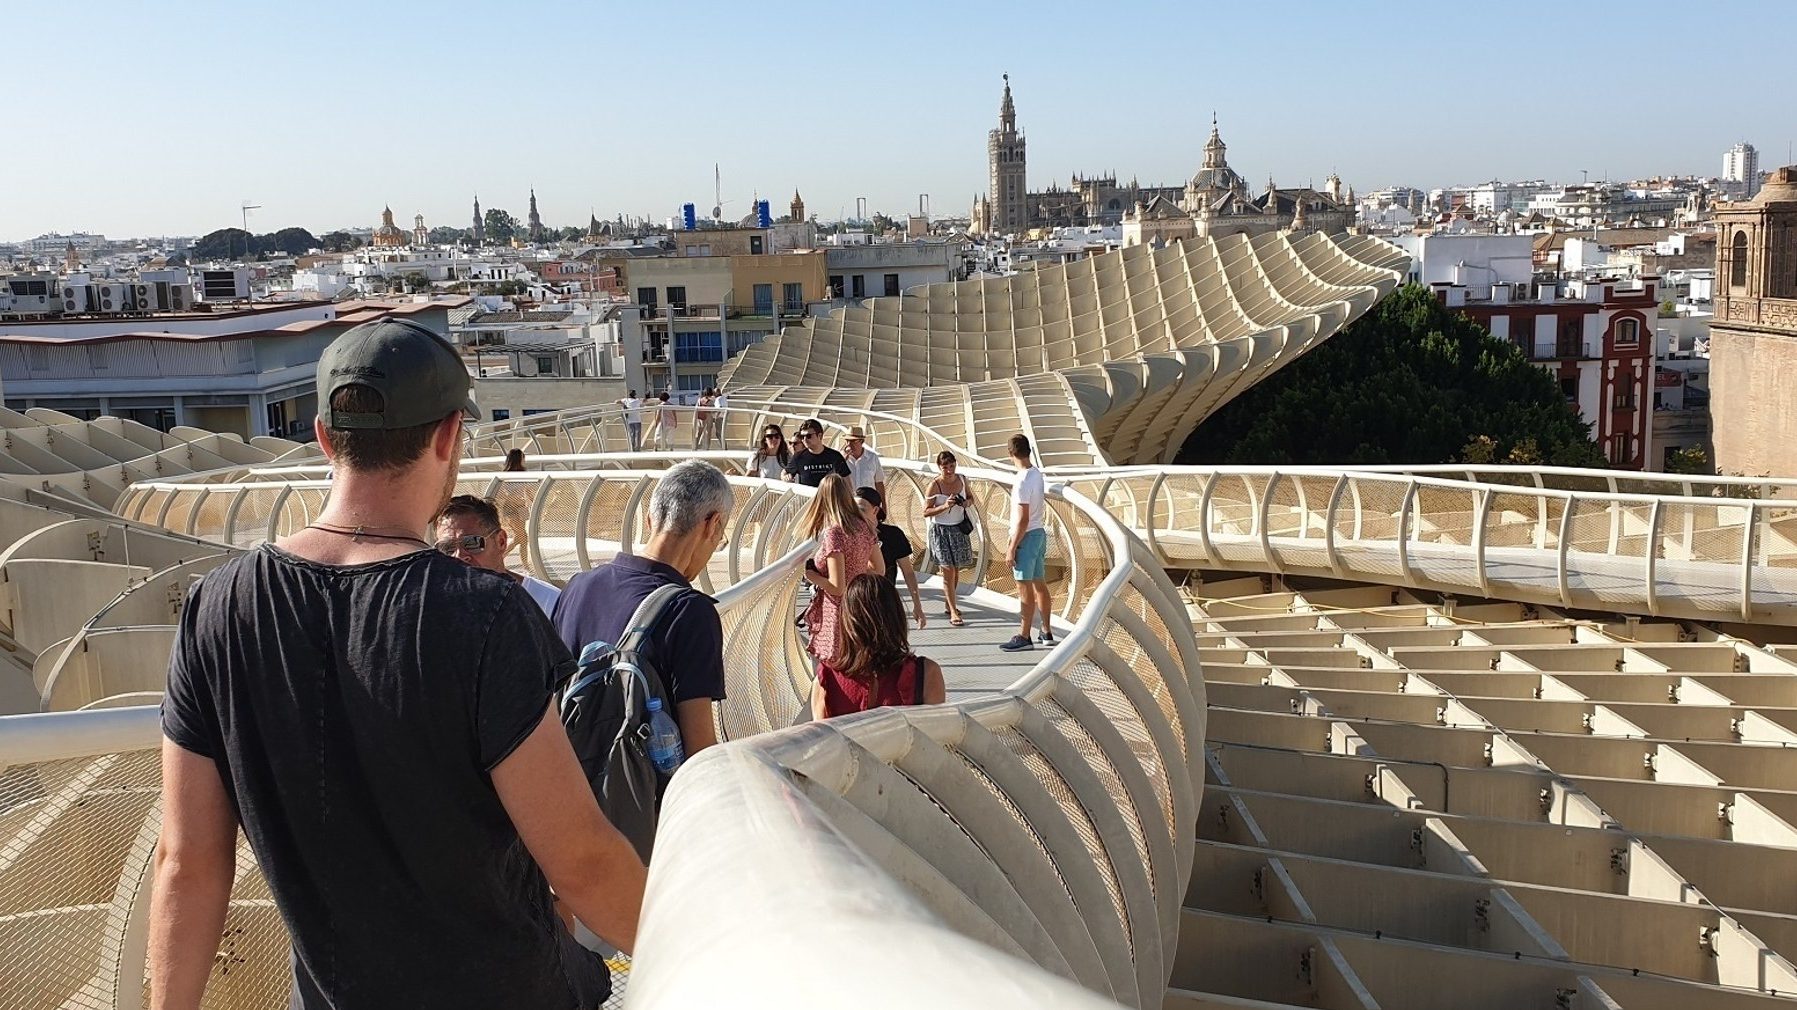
{"points": [[921, 677], [648, 613]]}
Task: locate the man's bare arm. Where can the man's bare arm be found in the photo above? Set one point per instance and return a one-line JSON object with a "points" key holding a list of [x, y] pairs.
{"points": [[196, 859], [698, 728], [591, 866]]}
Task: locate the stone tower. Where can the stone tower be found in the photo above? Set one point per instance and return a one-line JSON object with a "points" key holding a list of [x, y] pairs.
{"points": [[420, 234], [480, 230], [1008, 191], [536, 220], [798, 207], [1753, 335]]}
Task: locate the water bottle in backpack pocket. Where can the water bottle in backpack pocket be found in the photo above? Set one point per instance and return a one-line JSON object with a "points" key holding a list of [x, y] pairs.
{"points": [[615, 711]]}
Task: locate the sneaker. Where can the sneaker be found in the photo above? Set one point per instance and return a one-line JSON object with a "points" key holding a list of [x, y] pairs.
{"points": [[1018, 643], [1047, 638]]}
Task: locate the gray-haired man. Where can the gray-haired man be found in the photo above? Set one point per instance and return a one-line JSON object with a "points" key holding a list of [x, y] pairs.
{"points": [[689, 516]]}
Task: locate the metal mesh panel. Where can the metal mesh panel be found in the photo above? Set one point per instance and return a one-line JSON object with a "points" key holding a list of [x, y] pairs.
{"points": [[1102, 691], [1039, 766], [1101, 765]]}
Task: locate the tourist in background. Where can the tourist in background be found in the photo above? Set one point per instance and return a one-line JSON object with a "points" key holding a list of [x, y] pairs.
{"points": [[895, 548], [702, 421], [846, 547], [771, 454], [874, 665], [633, 419], [1028, 553], [513, 499], [720, 402], [864, 463], [951, 529], [812, 460], [667, 422]]}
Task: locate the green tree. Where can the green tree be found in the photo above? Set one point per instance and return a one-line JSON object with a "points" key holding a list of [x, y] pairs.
{"points": [[416, 281], [1409, 382], [292, 241], [340, 242], [225, 243], [568, 234], [1691, 460], [1668, 308], [499, 226], [444, 235]]}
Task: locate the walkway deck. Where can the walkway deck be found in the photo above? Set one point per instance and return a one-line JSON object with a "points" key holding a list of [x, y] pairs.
{"points": [[972, 663]]}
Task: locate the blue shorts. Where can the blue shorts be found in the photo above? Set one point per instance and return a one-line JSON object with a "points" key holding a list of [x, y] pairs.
{"points": [[1032, 557]]}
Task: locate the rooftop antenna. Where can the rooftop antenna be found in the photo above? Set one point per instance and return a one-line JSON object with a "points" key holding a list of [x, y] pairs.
{"points": [[717, 180], [245, 209]]}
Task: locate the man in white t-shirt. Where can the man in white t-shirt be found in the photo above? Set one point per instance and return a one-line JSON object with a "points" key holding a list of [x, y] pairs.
{"points": [[864, 463], [1028, 554], [468, 528], [720, 400], [633, 420]]}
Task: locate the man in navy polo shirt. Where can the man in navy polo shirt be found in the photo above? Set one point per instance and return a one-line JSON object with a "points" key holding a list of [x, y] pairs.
{"points": [[689, 516]]}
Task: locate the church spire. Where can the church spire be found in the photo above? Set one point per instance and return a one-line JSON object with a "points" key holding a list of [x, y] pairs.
{"points": [[535, 221], [1215, 151], [1007, 112]]}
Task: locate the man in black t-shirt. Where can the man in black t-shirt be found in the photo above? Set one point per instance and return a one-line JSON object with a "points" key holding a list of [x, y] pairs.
{"points": [[378, 717], [814, 461]]}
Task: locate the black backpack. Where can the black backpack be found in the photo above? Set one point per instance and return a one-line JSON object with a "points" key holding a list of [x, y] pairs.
{"points": [[606, 713]]}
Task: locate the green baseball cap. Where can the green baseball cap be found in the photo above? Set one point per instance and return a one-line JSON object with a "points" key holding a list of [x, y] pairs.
{"points": [[419, 377]]}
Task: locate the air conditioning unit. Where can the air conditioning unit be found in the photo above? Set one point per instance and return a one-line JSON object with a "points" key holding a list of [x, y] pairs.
{"points": [[180, 298], [110, 298], [75, 298], [143, 297]]}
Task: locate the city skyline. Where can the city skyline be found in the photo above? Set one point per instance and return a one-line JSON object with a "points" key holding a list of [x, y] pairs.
{"points": [[627, 111]]}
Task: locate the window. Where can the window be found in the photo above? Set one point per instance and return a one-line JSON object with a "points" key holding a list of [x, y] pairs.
{"points": [[792, 297], [677, 297], [1572, 339], [741, 340], [698, 347], [646, 297], [892, 287], [835, 285], [501, 414], [545, 364], [696, 383], [1628, 333], [1624, 398], [756, 246], [764, 299], [1569, 388], [859, 288], [1737, 261]]}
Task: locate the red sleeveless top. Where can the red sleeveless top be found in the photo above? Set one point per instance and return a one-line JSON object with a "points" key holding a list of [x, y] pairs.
{"points": [[844, 695]]}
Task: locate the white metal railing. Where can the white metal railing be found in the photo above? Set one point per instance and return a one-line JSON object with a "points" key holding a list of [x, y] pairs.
{"points": [[1707, 558]]}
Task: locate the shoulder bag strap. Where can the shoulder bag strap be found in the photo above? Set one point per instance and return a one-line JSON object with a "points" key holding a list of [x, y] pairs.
{"points": [[922, 675], [643, 620]]}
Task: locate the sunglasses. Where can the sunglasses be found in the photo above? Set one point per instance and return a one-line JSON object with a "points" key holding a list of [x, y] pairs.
{"points": [[473, 543], [772, 434], [811, 434]]}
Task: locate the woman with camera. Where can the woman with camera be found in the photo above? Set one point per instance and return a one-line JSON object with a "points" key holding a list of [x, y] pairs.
{"points": [[951, 529]]}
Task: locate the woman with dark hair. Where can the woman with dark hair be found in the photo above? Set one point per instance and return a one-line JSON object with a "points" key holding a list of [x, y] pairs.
{"points": [[513, 502], [895, 548], [874, 666], [951, 526], [771, 453]]}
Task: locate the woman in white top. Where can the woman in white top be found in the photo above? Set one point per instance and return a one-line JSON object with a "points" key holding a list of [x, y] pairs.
{"points": [[769, 458], [945, 504]]}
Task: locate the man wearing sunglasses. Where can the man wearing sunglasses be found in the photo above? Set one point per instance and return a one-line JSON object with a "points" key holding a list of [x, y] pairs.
{"points": [[813, 460], [468, 528]]}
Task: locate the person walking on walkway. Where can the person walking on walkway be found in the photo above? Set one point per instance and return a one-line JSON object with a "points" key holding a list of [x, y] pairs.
{"points": [[380, 720], [846, 547], [667, 423], [865, 469], [771, 455], [895, 549], [813, 460], [951, 526], [1028, 553], [513, 499], [469, 528], [702, 422], [633, 420], [720, 404], [874, 666]]}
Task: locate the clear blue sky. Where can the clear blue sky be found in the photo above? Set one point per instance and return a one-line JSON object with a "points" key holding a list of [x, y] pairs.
{"points": [[155, 119]]}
